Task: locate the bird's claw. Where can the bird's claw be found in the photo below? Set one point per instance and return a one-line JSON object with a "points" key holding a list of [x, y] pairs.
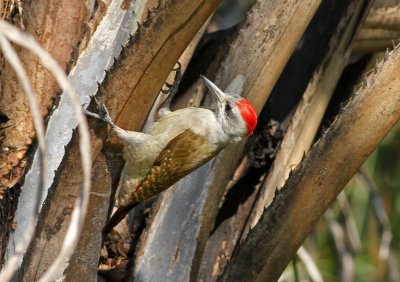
{"points": [[167, 91], [103, 112], [98, 105], [173, 88], [179, 68]]}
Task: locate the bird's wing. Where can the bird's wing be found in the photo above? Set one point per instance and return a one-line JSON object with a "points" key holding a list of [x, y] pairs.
{"points": [[183, 154]]}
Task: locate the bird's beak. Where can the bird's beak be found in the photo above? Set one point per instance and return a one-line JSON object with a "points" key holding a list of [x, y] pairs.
{"points": [[216, 93]]}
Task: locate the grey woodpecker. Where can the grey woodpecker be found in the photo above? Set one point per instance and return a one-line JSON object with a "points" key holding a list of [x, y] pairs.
{"points": [[177, 144]]}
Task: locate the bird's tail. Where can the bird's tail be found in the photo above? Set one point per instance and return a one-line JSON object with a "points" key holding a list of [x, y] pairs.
{"points": [[117, 217]]}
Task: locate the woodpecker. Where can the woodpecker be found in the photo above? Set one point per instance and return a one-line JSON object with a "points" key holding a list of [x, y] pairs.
{"points": [[177, 144]]}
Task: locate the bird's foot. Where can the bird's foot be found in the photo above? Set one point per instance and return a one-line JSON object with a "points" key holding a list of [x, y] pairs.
{"points": [[103, 113], [164, 108], [173, 88]]}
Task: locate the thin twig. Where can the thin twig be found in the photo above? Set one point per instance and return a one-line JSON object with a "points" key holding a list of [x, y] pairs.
{"points": [[345, 258], [295, 271], [381, 214], [386, 254], [311, 266], [80, 209], [351, 227], [393, 268]]}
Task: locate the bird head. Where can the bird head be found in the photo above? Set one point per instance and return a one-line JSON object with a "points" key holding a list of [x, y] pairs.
{"points": [[236, 115]]}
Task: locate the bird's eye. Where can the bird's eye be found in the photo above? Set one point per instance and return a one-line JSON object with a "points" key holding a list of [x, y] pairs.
{"points": [[228, 108]]}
